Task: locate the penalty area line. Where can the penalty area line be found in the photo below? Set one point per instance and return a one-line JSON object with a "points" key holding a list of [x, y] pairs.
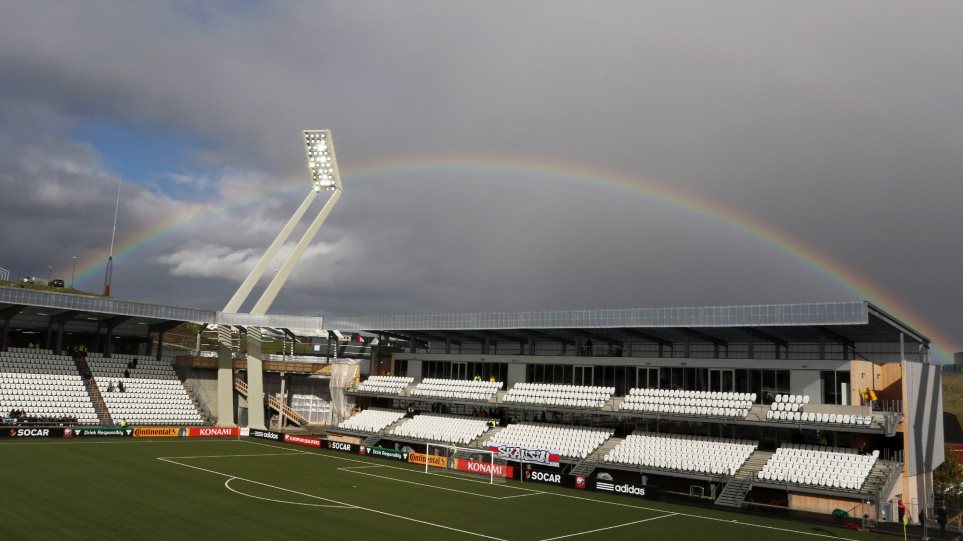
{"points": [[347, 505], [610, 527]]}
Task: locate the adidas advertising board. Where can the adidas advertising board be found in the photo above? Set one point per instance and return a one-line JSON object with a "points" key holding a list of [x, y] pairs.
{"points": [[265, 435], [24, 432], [626, 489]]}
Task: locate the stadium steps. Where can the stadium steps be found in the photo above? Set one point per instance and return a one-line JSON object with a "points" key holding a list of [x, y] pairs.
{"points": [[881, 479], [735, 491], [378, 436], [481, 442], [100, 407], [588, 465], [241, 386], [371, 440]]}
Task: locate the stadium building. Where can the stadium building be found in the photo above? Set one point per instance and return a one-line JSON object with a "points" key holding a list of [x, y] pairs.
{"points": [[808, 407]]}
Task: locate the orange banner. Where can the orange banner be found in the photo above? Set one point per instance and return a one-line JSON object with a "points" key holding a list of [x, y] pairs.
{"points": [[159, 432], [433, 460]]}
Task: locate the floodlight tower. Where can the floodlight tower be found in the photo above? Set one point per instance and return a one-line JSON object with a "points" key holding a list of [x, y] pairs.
{"points": [[323, 170]]}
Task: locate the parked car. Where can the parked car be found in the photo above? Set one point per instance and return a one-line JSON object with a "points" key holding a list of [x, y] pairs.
{"points": [[28, 279], [56, 282]]}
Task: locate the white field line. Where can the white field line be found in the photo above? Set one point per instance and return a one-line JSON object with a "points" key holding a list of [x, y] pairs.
{"points": [[81, 441], [618, 504], [610, 527], [690, 515], [409, 470], [350, 469], [348, 505], [227, 485], [229, 456]]}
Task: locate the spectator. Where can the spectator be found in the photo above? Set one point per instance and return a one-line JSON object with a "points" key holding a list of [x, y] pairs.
{"points": [[941, 520], [110, 387], [120, 387], [900, 510]]}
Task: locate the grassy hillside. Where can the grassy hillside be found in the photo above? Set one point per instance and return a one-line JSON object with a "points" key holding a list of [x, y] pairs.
{"points": [[953, 393]]}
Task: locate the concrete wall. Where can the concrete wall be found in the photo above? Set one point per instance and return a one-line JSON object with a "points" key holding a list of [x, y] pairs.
{"points": [[806, 382], [825, 505], [205, 381]]}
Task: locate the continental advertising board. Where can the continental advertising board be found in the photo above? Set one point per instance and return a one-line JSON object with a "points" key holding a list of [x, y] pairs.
{"points": [[160, 432], [433, 460]]}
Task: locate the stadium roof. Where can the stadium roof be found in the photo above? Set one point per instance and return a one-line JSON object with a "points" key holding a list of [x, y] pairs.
{"points": [[852, 322], [855, 321]]}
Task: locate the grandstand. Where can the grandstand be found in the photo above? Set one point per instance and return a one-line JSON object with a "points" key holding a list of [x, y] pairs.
{"points": [[142, 390], [44, 387], [729, 404]]}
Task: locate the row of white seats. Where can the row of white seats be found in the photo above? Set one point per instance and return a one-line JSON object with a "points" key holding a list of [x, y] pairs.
{"points": [[706, 411], [824, 418], [804, 465], [452, 388], [791, 399], [153, 394], [371, 420], [385, 384], [439, 428], [580, 396], [567, 441], [717, 456], [49, 386], [680, 393]]}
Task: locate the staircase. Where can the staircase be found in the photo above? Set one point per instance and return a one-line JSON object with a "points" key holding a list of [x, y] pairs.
{"points": [[275, 404], [100, 407], [881, 479], [375, 438], [481, 441], [589, 463], [734, 493]]}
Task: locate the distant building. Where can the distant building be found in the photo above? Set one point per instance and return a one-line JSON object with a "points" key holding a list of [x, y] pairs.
{"points": [[958, 361]]}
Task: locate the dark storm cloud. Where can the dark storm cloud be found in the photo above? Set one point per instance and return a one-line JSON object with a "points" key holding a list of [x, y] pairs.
{"points": [[837, 123]]}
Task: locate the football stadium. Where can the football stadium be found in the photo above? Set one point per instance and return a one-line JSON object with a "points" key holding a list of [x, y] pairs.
{"points": [[788, 421]]}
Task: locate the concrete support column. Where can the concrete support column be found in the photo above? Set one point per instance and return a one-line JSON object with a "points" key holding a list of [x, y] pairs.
{"points": [[255, 380], [225, 377], [60, 339], [160, 344]]}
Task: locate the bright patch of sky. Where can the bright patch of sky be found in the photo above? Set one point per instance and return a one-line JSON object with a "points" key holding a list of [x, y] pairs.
{"points": [[161, 160]]}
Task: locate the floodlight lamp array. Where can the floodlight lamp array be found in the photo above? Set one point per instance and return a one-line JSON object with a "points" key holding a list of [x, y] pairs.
{"points": [[320, 159]]}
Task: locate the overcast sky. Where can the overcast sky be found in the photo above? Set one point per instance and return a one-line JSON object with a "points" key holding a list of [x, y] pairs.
{"points": [[494, 156]]}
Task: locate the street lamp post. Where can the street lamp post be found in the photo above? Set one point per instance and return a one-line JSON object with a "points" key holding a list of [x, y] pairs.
{"points": [[73, 273], [51, 267]]}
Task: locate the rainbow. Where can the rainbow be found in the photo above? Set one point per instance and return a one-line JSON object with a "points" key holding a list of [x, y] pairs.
{"points": [[554, 172]]}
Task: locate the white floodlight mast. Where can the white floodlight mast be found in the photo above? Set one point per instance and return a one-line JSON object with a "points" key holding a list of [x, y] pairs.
{"points": [[323, 169]]}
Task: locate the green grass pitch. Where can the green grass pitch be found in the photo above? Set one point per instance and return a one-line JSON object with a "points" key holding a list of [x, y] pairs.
{"points": [[251, 489]]}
